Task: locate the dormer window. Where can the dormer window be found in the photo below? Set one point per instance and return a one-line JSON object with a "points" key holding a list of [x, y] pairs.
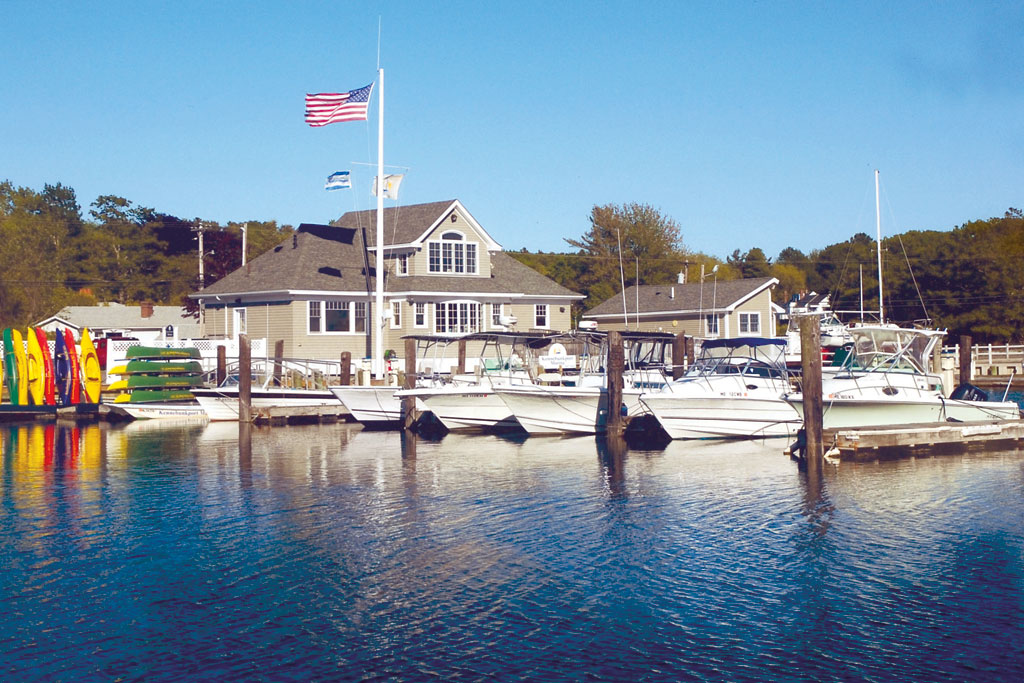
{"points": [[452, 254], [403, 264]]}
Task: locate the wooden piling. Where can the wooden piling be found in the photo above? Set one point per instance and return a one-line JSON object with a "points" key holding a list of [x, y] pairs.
{"points": [[222, 364], [244, 379], [346, 369], [810, 360], [461, 369], [278, 357], [679, 355], [616, 423], [965, 359], [409, 415]]}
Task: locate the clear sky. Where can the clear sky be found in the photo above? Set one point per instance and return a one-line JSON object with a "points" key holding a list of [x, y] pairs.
{"points": [[752, 124]]}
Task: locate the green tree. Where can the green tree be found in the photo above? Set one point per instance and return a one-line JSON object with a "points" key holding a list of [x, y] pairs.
{"points": [[647, 246]]}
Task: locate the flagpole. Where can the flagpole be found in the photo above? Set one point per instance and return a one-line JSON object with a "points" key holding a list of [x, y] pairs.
{"points": [[378, 314]]}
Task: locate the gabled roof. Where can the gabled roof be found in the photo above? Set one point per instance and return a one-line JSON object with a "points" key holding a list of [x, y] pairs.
{"points": [[317, 257], [115, 316], [725, 295], [410, 225], [327, 258]]}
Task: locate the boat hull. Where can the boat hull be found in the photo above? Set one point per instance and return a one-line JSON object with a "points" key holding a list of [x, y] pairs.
{"points": [[561, 410], [373, 406], [470, 409], [164, 411], [842, 413], [710, 417], [221, 404]]}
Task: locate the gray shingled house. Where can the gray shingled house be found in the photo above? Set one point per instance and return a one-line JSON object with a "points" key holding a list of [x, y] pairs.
{"points": [[723, 308], [443, 274]]}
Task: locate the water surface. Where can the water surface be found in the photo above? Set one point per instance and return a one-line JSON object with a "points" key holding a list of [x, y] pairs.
{"points": [[173, 552]]}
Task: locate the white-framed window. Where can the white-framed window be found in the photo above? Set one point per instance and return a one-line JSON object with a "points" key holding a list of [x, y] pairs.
{"points": [[711, 325], [419, 318], [403, 264], [750, 323], [335, 317], [496, 316], [240, 321], [452, 254], [360, 316], [396, 314], [540, 316], [456, 317]]}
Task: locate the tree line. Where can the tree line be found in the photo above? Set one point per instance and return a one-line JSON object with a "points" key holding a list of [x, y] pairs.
{"points": [[51, 256], [968, 280]]}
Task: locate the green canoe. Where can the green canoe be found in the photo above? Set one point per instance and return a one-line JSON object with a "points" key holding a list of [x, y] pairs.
{"points": [[156, 381], [160, 353], [157, 367], [155, 395]]}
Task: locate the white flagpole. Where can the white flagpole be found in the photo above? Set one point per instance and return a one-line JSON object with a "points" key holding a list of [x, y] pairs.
{"points": [[378, 313]]}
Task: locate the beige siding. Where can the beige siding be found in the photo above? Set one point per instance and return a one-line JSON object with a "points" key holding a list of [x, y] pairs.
{"points": [[419, 263], [692, 324]]}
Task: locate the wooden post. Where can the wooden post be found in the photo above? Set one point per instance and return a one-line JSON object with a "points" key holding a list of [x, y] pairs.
{"points": [[689, 351], [346, 369], [966, 360], [615, 424], [222, 364], [679, 355], [461, 368], [409, 402], [810, 360], [278, 356], [244, 379]]}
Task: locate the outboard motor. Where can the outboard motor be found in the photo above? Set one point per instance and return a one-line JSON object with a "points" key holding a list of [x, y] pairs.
{"points": [[969, 392]]}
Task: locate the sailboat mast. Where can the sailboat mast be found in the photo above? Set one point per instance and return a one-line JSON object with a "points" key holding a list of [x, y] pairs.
{"points": [[378, 313], [878, 228]]}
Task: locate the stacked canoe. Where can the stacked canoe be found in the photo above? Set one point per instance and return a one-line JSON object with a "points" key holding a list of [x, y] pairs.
{"points": [[157, 375]]}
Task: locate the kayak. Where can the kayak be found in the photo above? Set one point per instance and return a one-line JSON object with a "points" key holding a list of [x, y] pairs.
{"points": [[76, 377], [92, 375], [13, 372]]}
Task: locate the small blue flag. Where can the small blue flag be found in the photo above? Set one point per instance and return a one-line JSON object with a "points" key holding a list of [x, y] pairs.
{"points": [[338, 181]]}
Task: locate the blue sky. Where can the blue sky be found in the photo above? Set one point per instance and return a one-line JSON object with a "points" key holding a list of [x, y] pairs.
{"points": [[750, 124]]}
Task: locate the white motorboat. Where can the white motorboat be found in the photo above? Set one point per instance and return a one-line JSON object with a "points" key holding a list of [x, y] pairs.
{"points": [[733, 390], [221, 403], [886, 381], [173, 410], [371, 405], [579, 405], [470, 403]]}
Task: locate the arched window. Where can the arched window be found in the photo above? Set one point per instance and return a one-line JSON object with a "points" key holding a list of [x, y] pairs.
{"points": [[452, 254]]}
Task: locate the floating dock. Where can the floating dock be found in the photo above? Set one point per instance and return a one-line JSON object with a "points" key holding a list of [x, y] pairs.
{"points": [[931, 438]]}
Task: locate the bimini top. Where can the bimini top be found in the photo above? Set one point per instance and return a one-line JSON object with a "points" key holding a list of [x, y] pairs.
{"points": [[733, 342]]}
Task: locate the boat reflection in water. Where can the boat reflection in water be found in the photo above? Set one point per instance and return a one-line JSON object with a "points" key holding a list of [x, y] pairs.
{"points": [[327, 552]]}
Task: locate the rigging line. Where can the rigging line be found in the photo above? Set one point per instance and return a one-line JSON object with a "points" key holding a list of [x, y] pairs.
{"points": [[914, 279]]}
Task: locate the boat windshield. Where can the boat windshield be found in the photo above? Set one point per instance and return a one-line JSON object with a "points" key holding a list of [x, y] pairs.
{"points": [[887, 349], [761, 357]]}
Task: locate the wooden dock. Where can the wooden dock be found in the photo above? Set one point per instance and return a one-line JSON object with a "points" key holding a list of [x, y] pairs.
{"points": [[914, 440], [282, 415]]}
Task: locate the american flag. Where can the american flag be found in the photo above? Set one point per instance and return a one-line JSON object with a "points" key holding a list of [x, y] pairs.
{"points": [[331, 107]]}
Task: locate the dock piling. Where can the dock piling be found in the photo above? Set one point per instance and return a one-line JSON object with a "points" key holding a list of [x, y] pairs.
{"points": [[810, 361], [966, 362], [616, 422], [222, 364], [409, 402], [244, 379], [679, 359]]}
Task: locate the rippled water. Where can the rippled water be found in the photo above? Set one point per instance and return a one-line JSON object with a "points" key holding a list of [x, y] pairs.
{"points": [[152, 552]]}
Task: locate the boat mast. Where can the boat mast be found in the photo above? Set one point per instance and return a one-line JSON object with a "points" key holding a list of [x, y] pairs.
{"points": [[378, 313], [878, 228]]}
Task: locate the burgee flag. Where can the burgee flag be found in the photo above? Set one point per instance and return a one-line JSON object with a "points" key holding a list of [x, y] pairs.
{"points": [[391, 183], [338, 181], [330, 107]]}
